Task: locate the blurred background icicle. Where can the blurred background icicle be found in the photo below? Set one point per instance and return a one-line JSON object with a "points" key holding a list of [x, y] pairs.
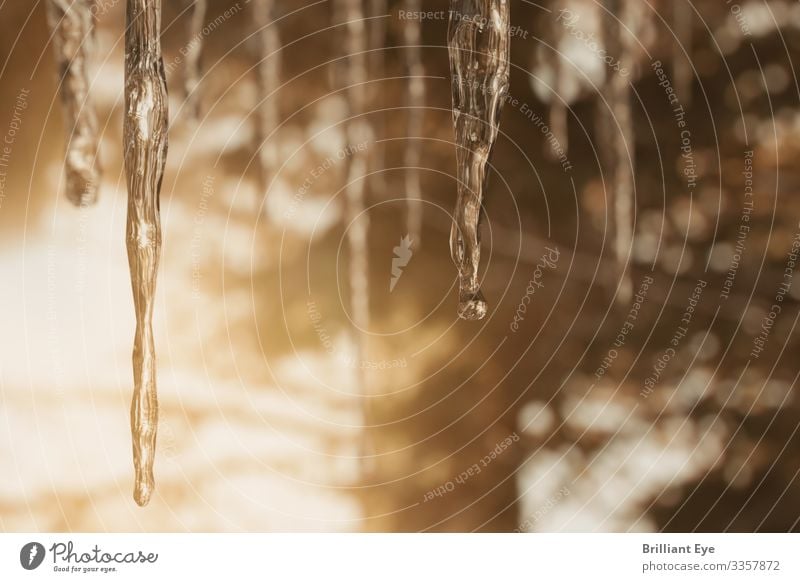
{"points": [[338, 67], [616, 144], [145, 149], [71, 22], [194, 53], [269, 79], [415, 102], [479, 43], [558, 102], [357, 218], [682, 43], [377, 70]]}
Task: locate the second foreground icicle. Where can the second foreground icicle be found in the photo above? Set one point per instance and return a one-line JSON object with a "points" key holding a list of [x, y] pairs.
{"points": [[145, 148], [479, 42], [71, 23]]}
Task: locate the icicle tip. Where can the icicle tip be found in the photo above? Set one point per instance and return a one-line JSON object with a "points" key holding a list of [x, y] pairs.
{"points": [[472, 307], [143, 489], [142, 496], [81, 190]]}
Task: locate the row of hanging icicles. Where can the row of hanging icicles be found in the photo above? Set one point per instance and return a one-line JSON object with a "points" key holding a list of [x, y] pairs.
{"points": [[479, 41]]}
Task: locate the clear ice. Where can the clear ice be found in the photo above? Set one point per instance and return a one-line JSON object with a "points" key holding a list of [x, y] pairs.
{"points": [[145, 151], [479, 41]]}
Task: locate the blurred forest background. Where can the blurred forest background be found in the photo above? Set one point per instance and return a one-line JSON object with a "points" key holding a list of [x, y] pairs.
{"points": [[278, 415]]}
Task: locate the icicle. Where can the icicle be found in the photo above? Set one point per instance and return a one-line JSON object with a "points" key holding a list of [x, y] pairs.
{"points": [[616, 136], [145, 135], [72, 25], [479, 41], [269, 73], [377, 56], [558, 106], [358, 131], [194, 51], [682, 71], [377, 66], [338, 68], [416, 118]]}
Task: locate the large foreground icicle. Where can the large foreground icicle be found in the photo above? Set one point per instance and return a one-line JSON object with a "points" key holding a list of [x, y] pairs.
{"points": [[194, 52], [616, 138], [145, 148], [479, 41], [72, 27], [269, 73], [416, 118]]}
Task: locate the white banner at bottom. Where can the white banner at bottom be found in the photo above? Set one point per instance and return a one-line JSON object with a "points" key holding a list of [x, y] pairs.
{"points": [[401, 557]]}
